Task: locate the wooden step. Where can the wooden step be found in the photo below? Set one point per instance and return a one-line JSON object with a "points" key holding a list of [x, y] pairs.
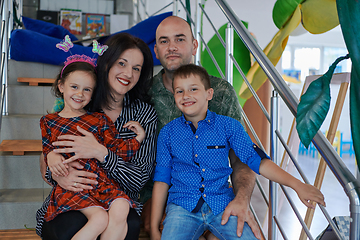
{"points": [[19, 147], [36, 81], [29, 234]]}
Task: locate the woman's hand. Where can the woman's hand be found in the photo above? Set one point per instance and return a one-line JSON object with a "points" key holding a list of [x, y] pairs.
{"points": [[83, 146], [77, 180]]}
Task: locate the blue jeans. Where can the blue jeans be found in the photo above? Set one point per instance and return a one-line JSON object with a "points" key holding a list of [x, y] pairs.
{"points": [[184, 225]]}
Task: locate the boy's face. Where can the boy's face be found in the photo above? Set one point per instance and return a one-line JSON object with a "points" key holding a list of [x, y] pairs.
{"points": [[191, 97]]}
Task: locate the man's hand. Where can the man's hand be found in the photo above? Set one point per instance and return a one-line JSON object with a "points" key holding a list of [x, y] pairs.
{"points": [[241, 210], [77, 180], [243, 181]]}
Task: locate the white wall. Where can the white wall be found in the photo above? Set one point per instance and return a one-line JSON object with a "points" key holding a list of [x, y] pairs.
{"points": [[87, 6]]}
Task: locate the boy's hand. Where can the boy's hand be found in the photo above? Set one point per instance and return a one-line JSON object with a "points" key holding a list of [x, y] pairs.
{"points": [[307, 193], [136, 128], [56, 165]]}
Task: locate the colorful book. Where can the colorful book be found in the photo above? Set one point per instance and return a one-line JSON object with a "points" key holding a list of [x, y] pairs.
{"points": [[71, 20]]}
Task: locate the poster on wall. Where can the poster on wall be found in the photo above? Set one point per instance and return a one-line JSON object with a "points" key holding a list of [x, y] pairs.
{"points": [[71, 20], [95, 25]]}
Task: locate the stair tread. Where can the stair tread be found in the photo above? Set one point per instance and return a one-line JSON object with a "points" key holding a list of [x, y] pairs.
{"points": [[18, 147], [23, 195], [35, 81], [29, 234]]}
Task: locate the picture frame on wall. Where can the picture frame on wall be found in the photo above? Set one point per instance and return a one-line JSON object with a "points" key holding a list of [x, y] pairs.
{"points": [[71, 20], [95, 25]]}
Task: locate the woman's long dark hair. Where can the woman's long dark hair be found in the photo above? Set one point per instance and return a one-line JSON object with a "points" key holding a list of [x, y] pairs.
{"points": [[117, 44]]}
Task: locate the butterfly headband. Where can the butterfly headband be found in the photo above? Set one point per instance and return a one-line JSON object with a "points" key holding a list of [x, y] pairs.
{"points": [[66, 44]]}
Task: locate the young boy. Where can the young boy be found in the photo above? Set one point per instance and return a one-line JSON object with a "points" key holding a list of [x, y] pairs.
{"points": [[193, 166]]}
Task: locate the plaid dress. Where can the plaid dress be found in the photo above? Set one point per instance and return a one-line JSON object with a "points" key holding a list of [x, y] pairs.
{"points": [[107, 190]]}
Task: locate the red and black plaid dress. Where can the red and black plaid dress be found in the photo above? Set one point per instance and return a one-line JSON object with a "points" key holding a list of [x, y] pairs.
{"points": [[107, 190]]}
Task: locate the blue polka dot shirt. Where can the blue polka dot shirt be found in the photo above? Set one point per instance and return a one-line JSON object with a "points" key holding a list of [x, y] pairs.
{"points": [[196, 164]]}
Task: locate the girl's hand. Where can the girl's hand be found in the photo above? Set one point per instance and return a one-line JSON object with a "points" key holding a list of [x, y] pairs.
{"points": [[83, 146], [307, 193], [56, 165], [77, 180], [136, 128]]}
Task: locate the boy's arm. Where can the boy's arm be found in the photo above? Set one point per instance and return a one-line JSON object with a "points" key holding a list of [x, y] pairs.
{"points": [[306, 192], [159, 196]]}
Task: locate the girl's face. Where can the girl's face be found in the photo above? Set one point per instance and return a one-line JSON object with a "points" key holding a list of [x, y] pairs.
{"points": [[125, 72], [77, 90]]}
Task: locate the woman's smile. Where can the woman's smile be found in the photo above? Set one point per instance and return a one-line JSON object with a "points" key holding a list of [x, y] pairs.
{"points": [[123, 81]]}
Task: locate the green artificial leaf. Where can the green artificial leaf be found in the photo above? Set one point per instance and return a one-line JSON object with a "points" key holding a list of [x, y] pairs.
{"points": [[349, 18], [314, 105]]}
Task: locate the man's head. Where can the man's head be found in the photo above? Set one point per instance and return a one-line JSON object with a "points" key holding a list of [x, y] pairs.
{"points": [[192, 91], [175, 44]]}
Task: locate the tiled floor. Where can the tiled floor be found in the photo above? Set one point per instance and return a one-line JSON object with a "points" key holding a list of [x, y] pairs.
{"points": [[337, 202]]}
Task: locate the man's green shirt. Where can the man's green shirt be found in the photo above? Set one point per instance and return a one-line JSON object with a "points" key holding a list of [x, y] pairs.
{"points": [[224, 101]]}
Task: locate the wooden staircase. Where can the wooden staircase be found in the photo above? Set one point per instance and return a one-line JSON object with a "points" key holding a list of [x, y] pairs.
{"points": [[18, 146], [22, 189]]}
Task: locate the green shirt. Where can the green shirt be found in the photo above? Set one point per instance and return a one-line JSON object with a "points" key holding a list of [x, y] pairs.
{"points": [[224, 101]]}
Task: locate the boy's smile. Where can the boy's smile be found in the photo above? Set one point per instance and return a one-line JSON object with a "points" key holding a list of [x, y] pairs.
{"points": [[191, 97]]}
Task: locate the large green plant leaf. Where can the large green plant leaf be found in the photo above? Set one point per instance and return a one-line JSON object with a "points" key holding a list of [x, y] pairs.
{"points": [[349, 18], [314, 105]]}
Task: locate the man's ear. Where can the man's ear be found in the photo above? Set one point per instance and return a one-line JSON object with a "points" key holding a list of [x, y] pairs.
{"points": [[210, 93], [195, 46], [155, 51]]}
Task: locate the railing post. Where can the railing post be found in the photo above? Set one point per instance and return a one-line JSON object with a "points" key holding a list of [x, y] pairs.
{"points": [[229, 66], [198, 32], [175, 8], [273, 191], [4, 48], [354, 212]]}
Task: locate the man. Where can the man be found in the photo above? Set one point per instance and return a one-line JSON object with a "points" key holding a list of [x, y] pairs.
{"points": [[176, 46]]}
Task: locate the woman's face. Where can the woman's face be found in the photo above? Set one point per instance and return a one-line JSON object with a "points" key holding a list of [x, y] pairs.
{"points": [[125, 72]]}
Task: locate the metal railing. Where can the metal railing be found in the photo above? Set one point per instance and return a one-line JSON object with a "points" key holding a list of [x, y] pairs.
{"points": [[349, 183]]}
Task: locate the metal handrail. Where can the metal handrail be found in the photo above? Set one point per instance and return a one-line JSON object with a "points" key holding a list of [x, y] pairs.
{"points": [[350, 185]]}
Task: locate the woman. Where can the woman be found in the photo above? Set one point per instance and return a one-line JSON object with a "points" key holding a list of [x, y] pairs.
{"points": [[124, 77]]}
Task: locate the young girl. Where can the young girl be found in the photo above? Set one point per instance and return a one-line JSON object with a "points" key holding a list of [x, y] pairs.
{"points": [[75, 84]]}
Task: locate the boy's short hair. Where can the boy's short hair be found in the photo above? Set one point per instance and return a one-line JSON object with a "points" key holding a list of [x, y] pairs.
{"points": [[191, 69]]}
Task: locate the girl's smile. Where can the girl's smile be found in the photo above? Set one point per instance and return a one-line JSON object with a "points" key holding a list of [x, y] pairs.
{"points": [[77, 91]]}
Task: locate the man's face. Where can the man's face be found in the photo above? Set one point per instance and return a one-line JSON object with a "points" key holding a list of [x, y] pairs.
{"points": [[174, 43]]}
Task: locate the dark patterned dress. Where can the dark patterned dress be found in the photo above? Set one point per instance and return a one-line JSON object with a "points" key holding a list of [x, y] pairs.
{"points": [[107, 190]]}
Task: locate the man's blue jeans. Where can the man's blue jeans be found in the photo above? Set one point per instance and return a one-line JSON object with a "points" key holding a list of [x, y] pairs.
{"points": [[181, 224]]}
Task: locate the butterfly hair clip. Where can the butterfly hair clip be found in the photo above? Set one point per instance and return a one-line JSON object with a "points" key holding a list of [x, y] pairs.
{"points": [[66, 44]]}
